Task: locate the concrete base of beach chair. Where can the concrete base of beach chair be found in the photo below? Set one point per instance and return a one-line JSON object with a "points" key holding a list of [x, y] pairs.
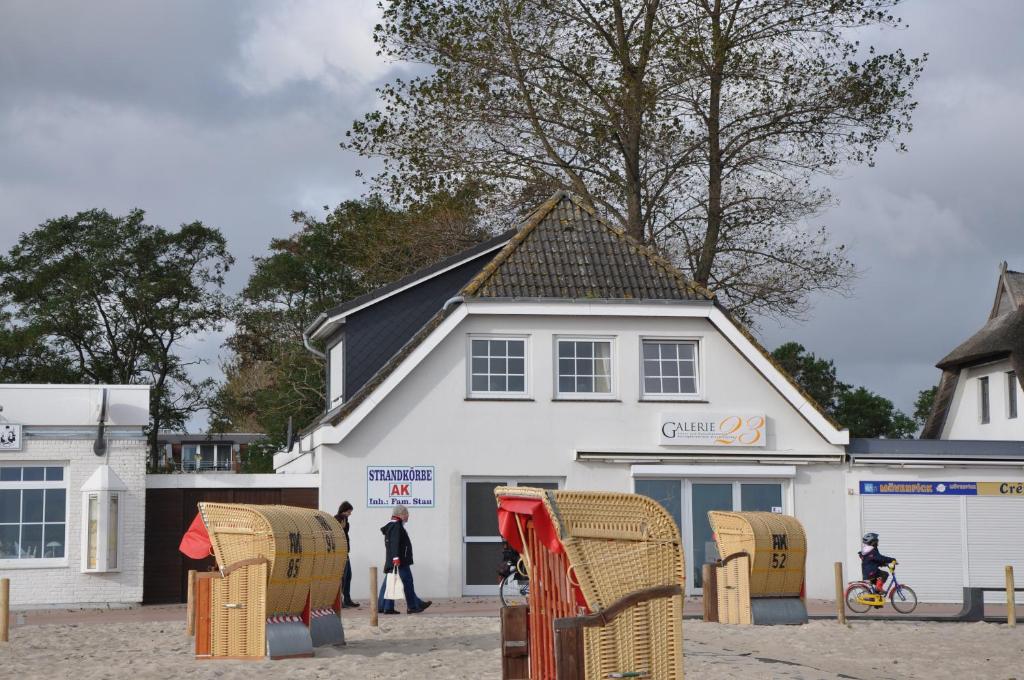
{"points": [[774, 611], [287, 639], [325, 628]]}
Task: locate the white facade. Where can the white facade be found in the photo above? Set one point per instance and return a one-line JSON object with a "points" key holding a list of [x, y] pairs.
{"points": [[1005, 411], [423, 415], [46, 549]]}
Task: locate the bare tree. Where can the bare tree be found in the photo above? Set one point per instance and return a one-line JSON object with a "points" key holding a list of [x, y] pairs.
{"points": [[697, 125]]}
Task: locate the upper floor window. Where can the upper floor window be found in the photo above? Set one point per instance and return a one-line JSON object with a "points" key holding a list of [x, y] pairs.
{"points": [[584, 367], [983, 399], [200, 457], [497, 366], [33, 512], [670, 368], [336, 369], [1011, 394]]}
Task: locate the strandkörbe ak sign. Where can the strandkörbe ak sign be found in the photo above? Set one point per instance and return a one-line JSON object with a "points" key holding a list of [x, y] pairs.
{"points": [[400, 485]]}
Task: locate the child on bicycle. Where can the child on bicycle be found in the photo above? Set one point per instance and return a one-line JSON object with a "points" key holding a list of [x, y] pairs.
{"points": [[872, 561]]}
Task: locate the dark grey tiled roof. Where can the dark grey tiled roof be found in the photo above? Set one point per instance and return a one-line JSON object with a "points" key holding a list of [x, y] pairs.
{"points": [[565, 251], [945, 449]]}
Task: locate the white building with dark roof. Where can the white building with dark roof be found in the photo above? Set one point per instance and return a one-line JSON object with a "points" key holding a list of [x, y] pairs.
{"points": [[561, 354]]}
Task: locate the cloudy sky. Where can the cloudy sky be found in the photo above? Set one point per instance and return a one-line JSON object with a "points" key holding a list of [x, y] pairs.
{"points": [[230, 112]]}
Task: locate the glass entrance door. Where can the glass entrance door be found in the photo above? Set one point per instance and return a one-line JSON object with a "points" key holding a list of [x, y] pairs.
{"points": [[689, 501], [705, 497]]}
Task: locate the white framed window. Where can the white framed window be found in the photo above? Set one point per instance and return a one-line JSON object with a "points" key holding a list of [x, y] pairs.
{"points": [[498, 366], [33, 514], [584, 367], [481, 542], [670, 369], [336, 390]]}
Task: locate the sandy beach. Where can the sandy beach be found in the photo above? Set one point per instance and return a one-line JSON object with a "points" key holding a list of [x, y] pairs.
{"points": [[439, 647]]}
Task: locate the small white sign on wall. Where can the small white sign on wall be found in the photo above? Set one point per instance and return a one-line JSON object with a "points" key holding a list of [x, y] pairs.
{"points": [[712, 429], [10, 437], [399, 485]]}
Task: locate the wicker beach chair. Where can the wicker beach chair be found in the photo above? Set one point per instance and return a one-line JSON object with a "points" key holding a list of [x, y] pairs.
{"points": [[278, 587], [606, 582], [760, 577]]}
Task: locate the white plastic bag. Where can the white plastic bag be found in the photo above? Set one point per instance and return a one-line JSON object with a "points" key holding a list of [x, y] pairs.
{"points": [[393, 587]]}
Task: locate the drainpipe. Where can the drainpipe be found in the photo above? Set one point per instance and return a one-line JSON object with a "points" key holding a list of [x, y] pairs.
{"points": [[451, 301], [315, 351]]}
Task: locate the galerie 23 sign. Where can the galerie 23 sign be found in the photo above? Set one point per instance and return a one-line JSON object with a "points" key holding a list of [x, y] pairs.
{"points": [[399, 485], [712, 429]]}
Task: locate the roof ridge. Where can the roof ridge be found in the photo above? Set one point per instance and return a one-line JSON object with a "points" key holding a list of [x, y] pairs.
{"points": [[544, 209], [531, 222]]}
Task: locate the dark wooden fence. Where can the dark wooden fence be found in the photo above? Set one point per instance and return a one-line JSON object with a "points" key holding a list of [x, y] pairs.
{"points": [[169, 512]]}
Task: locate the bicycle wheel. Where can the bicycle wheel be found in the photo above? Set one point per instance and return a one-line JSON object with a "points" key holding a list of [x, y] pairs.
{"points": [[904, 599], [852, 594], [512, 592]]}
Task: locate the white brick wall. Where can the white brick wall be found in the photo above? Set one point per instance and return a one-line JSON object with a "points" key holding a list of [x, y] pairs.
{"points": [[67, 585]]}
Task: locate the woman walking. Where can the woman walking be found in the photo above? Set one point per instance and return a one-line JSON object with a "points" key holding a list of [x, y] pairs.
{"points": [[398, 557], [344, 511]]}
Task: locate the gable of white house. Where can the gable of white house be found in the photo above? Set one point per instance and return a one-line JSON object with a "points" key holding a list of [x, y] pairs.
{"points": [[966, 419]]}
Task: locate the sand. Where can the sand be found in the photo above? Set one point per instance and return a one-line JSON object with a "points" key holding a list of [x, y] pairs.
{"points": [[442, 647]]}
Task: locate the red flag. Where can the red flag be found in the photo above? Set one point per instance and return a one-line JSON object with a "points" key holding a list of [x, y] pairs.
{"points": [[196, 542]]}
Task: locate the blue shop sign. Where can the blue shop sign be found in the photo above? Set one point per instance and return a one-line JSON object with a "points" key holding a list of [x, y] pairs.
{"points": [[920, 488]]}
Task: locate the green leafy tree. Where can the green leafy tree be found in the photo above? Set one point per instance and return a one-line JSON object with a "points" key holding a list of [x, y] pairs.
{"points": [[114, 298], [867, 414], [356, 247], [700, 126], [923, 405], [863, 412], [24, 358]]}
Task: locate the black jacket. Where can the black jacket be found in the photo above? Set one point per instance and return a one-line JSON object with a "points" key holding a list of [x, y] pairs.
{"points": [[871, 562], [343, 521], [396, 544]]}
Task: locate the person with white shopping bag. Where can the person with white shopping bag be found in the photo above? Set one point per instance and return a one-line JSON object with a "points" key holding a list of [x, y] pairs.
{"points": [[398, 582]]}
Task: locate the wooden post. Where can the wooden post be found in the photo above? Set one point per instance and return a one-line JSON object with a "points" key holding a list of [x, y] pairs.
{"points": [[373, 597], [1011, 598], [709, 576], [840, 600], [515, 645], [5, 608], [190, 609], [569, 661]]}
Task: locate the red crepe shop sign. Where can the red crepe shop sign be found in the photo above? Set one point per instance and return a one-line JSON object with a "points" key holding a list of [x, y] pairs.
{"points": [[712, 429], [400, 485]]}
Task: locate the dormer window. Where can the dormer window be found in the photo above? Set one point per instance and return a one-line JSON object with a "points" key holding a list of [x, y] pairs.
{"points": [[983, 400]]}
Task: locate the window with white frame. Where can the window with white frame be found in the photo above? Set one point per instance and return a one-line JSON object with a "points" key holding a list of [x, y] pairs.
{"points": [[33, 512], [584, 367], [497, 366], [336, 393], [670, 368]]}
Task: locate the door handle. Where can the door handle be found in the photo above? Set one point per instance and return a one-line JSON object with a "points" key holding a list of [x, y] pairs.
{"points": [[234, 605]]}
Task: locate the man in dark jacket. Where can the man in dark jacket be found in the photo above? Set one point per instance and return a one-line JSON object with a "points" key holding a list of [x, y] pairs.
{"points": [[344, 512], [872, 561], [398, 549]]}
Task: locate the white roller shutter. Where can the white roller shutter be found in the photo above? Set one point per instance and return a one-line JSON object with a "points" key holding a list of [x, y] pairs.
{"points": [[995, 538], [925, 534]]}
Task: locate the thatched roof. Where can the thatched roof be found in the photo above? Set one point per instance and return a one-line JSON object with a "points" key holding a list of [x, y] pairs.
{"points": [[1001, 337]]}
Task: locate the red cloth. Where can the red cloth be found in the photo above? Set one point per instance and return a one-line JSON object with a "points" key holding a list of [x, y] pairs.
{"points": [[508, 508], [196, 542]]}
